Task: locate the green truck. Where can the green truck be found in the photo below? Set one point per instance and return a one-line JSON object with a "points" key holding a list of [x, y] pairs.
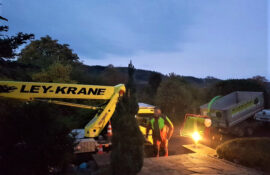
{"points": [[230, 114]]}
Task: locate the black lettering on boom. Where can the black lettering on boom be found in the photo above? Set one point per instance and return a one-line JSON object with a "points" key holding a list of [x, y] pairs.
{"points": [[45, 89], [72, 90], [23, 89], [91, 90], [82, 91], [101, 91], [34, 89], [60, 89]]}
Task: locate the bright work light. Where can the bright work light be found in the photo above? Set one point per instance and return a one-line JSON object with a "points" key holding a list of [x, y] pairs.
{"points": [[196, 137]]}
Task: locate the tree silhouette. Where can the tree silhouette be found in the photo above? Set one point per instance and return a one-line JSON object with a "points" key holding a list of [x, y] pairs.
{"points": [[154, 81], [9, 44], [127, 150], [46, 51]]}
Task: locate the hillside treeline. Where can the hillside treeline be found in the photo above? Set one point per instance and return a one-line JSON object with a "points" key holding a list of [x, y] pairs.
{"points": [[45, 60], [34, 133]]}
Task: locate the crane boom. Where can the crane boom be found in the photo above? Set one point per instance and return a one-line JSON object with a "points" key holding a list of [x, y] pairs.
{"points": [[30, 91]]}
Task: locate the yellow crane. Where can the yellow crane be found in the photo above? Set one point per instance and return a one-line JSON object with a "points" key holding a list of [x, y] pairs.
{"points": [[55, 92]]}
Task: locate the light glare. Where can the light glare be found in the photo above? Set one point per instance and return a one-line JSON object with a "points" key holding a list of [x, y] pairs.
{"points": [[196, 137]]}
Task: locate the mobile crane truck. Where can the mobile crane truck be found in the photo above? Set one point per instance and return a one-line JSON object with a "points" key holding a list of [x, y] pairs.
{"points": [[231, 114], [88, 138]]}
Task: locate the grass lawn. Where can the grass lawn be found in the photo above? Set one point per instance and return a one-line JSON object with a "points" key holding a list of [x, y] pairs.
{"points": [[251, 152]]}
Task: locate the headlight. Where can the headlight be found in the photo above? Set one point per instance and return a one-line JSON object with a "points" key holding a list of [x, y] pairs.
{"points": [[196, 137], [207, 122]]}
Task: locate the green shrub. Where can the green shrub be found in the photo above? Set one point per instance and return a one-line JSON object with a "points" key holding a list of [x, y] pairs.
{"points": [[251, 152], [33, 138]]}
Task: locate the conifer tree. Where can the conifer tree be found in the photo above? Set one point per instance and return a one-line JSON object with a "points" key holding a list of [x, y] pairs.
{"points": [[127, 141]]}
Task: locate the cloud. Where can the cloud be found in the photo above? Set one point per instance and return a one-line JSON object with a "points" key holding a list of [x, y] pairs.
{"points": [[96, 28], [226, 39]]}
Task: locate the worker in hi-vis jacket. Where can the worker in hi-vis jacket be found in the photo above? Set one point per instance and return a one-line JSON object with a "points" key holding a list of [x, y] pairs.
{"points": [[162, 130]]}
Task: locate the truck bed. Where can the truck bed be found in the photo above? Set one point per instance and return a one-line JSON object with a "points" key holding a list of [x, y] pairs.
{"points": [[234, 108]]}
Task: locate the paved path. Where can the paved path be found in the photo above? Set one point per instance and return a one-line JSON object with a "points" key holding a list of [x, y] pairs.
{"points": [[195, 164], [200, 148]]}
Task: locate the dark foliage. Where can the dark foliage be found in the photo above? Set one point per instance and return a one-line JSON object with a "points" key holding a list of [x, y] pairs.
{"points": [[251, 152], [12, 70], [200, 82], [2, 18], [127, 151], [111, 76], [174, 97], [154, 82], [47, 51], [228, 86], [9, 44], [33, 139]]}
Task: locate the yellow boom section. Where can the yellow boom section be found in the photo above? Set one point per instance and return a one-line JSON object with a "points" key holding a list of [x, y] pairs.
{"points": [[32, 90], [95, 126], [38, 91]]}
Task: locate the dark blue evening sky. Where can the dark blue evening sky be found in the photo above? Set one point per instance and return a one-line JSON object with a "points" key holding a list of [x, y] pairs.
{"points": [[220, 38]]}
